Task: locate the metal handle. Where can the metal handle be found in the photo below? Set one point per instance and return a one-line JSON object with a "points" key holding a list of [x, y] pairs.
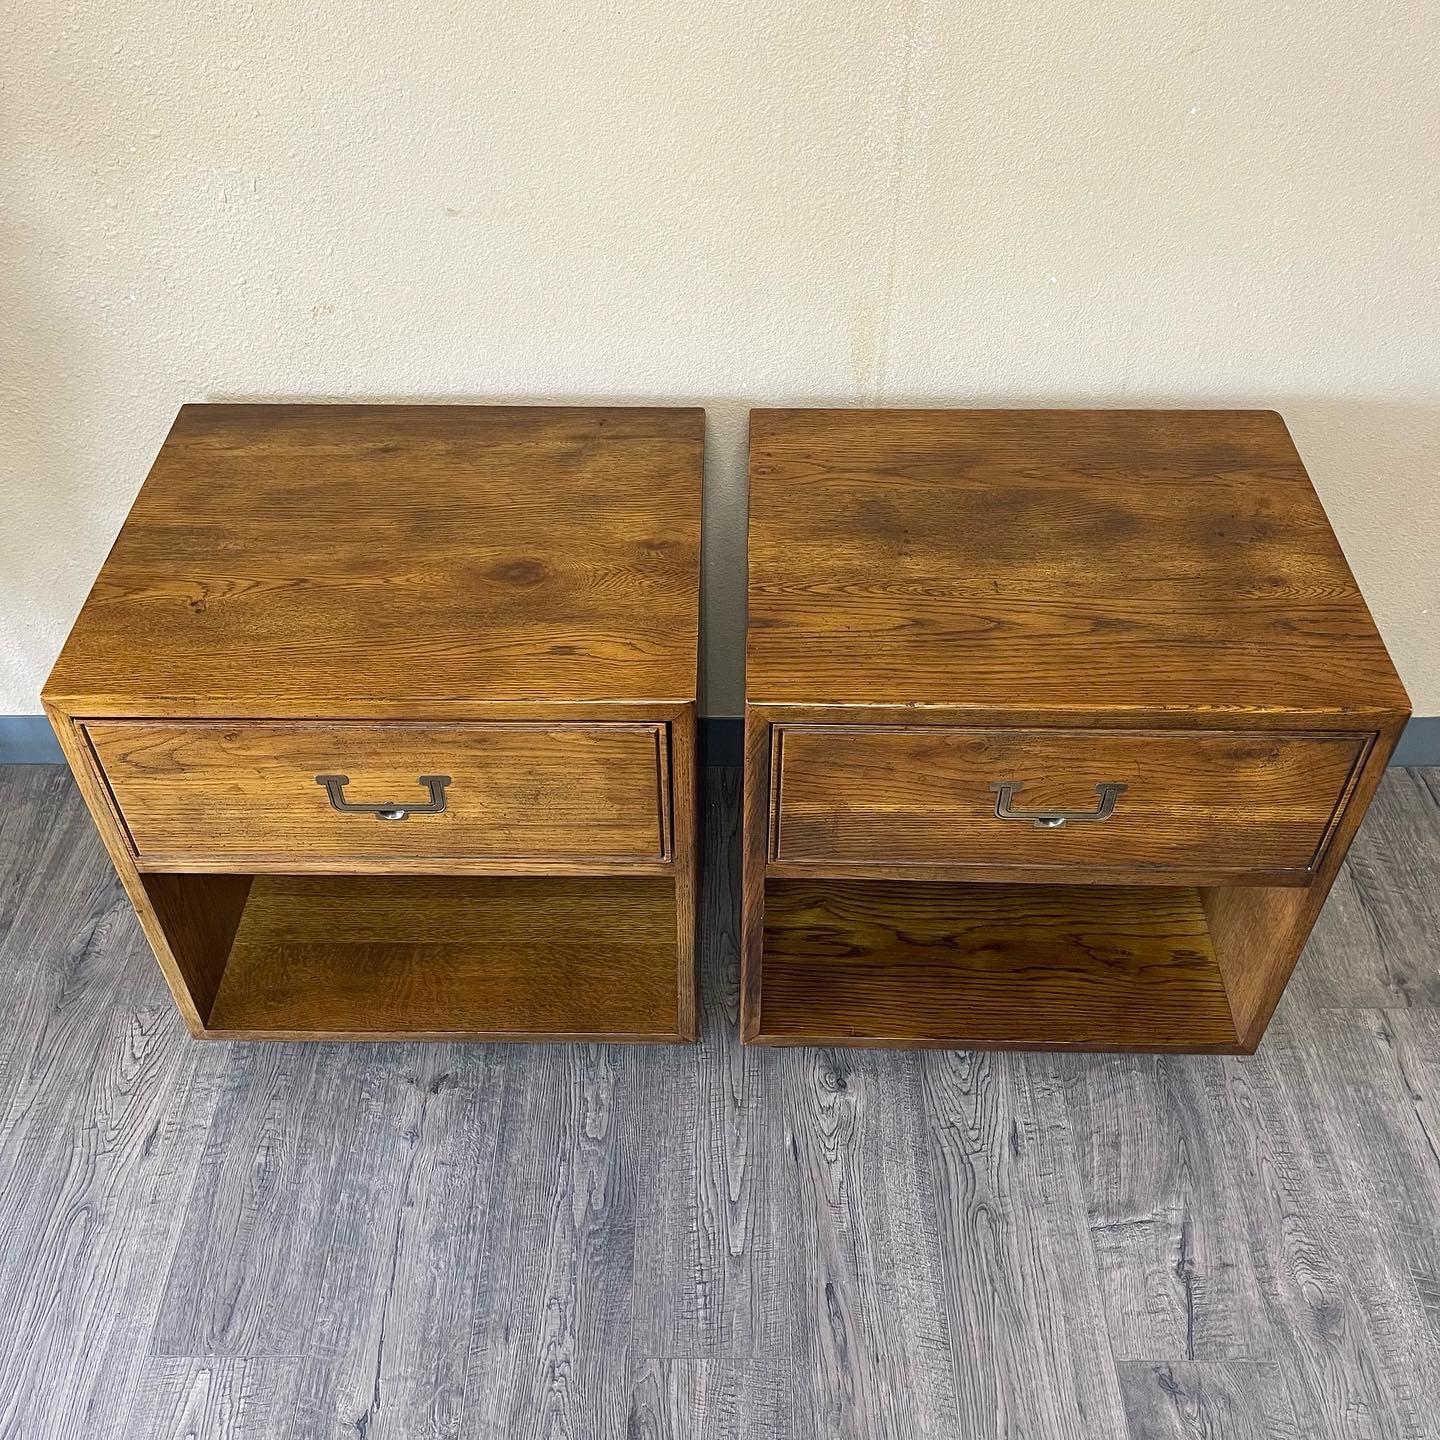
{"points": [[1006, 791], [388, 810]]}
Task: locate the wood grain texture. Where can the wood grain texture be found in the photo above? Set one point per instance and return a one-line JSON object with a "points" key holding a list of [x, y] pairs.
{"points": [[1019, 1281], [679, 806], [537, 1367], [1218, 1401], [1028, 966], [216, 1399], [199, 915], [305, 590], [192, 971], [1381, 1178], [863, 1257], [1195, 804], [282, 1124], [320, 957], [1412, 1039], [1259, 932], [103, 1114], [1164, 580], [209, 794], [280, 1242], [357, 560], [698, 1292], [1171, 1230], [1049, 560], [756, 844], [1375, 896], [400, 1272], [1350, 1367]]}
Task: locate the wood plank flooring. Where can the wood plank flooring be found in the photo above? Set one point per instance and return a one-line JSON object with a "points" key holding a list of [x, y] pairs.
{"points": [[449, 1241]]}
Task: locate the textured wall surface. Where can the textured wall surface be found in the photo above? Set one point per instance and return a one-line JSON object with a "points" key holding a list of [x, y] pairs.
{"points": [[893, 201]]}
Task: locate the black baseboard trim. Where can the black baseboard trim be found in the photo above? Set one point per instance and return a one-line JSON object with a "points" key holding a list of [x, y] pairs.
{"points": [[1420, 744], [28, 740], [722, 741]]}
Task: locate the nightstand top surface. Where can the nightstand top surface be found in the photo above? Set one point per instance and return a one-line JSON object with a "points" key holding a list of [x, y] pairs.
{"points": [[1050, 560], [312, 560]]}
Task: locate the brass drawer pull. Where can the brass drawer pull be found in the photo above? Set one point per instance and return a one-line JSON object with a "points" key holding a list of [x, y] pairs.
{"points": [[387, 810], [1006, 791]]}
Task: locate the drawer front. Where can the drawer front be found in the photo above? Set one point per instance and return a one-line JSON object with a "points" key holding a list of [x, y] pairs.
{"points": [[526, 792], [1207, 801]]}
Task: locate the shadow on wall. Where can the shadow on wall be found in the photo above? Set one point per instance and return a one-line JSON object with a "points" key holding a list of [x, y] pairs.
{"points": [[1376, 468]]}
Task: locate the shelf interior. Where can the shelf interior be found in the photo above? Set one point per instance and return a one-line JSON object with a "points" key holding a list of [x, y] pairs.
{"points": [[1083, 967], [318, 956]]}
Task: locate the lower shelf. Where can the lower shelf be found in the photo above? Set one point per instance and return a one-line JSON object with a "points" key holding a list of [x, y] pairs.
{"points": [[1031, 967], [429, 957]]}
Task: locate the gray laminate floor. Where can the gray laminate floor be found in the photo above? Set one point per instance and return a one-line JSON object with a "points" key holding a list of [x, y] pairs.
{"points": [[406, 1241]]}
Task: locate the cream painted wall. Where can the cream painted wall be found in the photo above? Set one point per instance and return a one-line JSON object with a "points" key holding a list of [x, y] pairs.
{"points": [[895, 201]]}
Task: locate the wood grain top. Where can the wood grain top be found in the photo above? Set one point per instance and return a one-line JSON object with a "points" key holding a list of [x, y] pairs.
{"points": [[353, 559], [1050, 560]]}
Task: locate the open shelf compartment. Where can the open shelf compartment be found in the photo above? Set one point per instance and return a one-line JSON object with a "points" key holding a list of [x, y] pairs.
{"points": [[1014, 966], [425, 956]]}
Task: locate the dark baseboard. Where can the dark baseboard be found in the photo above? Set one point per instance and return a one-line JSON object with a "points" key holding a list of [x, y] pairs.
{"points": [[28, 740], [722, 740], [1420, 744]]}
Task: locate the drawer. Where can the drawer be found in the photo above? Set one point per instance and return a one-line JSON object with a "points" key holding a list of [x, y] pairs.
{"points": [[232, 791], [1195, 803]]}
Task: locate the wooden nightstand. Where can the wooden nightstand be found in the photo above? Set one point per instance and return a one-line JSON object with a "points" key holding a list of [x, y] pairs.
{"points": [[387, 717], [1058, 726]]}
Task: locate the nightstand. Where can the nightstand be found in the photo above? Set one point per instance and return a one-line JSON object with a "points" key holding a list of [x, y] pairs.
{"points": [[386, 715], [1058, 726]]}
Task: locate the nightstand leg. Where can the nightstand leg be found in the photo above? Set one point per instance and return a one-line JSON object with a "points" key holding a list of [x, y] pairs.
{"points": [[1259, 932], [684, 779], [755, 844]]}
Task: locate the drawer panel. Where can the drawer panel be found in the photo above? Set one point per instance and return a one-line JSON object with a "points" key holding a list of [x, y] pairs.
{"points": [[1196, 801], [230, 790]]}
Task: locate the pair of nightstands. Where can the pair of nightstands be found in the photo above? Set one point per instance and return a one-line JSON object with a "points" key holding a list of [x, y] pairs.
{"points": [[1058, 724]]}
